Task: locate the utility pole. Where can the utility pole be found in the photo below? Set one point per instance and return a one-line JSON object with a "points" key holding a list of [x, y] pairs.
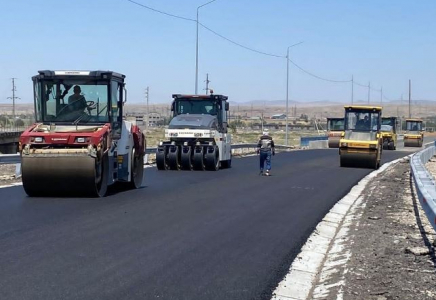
{"points": [[207, 84], [14, 89], [147, 93], [410, 97], [352, 89], [381, 95], [369, 92]]}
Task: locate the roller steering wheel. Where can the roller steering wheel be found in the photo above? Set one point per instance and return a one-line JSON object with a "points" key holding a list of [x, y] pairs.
{"points": [[90, 105]]}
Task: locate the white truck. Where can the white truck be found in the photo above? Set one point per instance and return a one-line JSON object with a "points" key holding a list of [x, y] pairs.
{"points": [[197, 137]]}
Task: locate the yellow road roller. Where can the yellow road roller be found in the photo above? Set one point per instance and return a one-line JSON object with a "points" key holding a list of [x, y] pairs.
{"points": [[362, 143], [335, 129], [389, 132], [414, 135]]}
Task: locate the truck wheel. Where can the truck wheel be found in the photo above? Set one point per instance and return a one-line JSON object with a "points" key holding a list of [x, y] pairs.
{"points": [[198, 158], [161, 158], [101, 175], [227, 164], [173, 158], [212, 158], [186, 158], [137, 170]]}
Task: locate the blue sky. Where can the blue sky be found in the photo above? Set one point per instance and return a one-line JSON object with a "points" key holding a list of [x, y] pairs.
{"points": [[384, 42]]}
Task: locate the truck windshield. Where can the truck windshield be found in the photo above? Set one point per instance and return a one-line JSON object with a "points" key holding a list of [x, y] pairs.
{"points": [[336, 124], [362, 120], [413, 126], [72, 101], [196, 106]]}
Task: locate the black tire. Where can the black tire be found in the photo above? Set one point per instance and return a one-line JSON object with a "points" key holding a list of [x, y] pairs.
{"points": [[174, 157], [212, 158], [198, 158], [161, 158], [186, 158], [226, 164], [101, 176], [137, 170], [342, 162], [391, 146]]}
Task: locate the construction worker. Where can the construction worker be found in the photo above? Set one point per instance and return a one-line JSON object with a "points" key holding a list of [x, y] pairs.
{"points": [[77, 101], [265, 147]]}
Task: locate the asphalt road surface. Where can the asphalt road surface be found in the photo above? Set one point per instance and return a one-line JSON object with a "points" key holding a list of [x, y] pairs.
{"points": [[230, 234]]}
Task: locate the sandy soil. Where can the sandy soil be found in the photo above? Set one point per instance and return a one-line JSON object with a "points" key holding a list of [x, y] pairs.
{"points": [[392, 246]]}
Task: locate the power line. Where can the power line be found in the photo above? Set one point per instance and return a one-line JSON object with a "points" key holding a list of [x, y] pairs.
{"points": [[359, 84], [240, 45], [316, 76], [162, 12], [249, 48]]}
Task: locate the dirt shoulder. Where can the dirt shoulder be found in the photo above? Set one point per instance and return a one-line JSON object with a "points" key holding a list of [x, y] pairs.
{"points": [[7, 174], [388, 252]]}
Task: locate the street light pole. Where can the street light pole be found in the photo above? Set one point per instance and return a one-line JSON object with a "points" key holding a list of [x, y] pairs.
{"points": [[196, 50], [287, 91]]}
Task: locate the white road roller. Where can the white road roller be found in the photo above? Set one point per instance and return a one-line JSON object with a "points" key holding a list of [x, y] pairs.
{"points": [[197, 137]]}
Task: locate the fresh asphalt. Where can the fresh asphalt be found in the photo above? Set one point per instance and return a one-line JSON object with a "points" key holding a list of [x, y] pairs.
{"points": [[230, 234]]}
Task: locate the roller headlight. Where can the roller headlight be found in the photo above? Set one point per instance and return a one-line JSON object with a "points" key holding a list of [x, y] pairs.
{"points": [[344, 144], [373, 146]]}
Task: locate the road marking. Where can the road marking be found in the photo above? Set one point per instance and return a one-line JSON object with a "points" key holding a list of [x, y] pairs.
{"points": [[324, 247]]}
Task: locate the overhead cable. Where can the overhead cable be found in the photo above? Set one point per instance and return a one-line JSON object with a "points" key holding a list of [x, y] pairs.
{"points": [[162, 12], [316, 76], [246, 47]]}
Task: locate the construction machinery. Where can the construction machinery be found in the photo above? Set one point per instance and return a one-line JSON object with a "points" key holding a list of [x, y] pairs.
{"points": [[389, 132], [335, 129], [414, 135], [80, 143], [197, 137], [362, 143]]}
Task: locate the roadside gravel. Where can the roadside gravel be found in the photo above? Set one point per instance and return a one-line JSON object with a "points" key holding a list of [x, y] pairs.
{"points": [[7, 174], [389, 252]]}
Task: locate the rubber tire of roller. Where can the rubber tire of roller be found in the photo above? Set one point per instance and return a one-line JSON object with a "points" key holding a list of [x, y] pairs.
{"points": [[198, 158], [174, 157], [212, 159], [137, 170], [101, 187], [227, 164], [161, 160], [186, 159]]}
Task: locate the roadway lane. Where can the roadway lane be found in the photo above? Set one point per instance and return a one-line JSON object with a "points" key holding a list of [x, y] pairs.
{"points": [[186, 235]]}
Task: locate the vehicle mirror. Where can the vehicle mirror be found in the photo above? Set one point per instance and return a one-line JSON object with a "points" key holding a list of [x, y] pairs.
{"points": [[125, 94], [227, 106], [172, 106]]}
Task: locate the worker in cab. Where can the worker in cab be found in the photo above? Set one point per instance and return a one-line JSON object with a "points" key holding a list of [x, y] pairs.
{"points": [[77, 101], [265, 148]]}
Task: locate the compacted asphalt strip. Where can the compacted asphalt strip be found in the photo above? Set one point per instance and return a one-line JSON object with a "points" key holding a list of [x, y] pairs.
{"points": [[230, 234]]}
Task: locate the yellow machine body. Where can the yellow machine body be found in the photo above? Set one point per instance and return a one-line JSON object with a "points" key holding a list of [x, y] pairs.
{"points": [[361, 145], [414, 135]]}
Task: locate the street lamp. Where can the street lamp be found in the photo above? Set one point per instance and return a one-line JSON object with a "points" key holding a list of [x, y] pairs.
{"points": [[196, 51], [287, 91]]}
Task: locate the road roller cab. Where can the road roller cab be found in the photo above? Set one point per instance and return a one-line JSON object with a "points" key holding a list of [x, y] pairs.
{"points": [[361, 145], [335, 129], [80, 143], [197, 136], [414, 135], [389, 132]]}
